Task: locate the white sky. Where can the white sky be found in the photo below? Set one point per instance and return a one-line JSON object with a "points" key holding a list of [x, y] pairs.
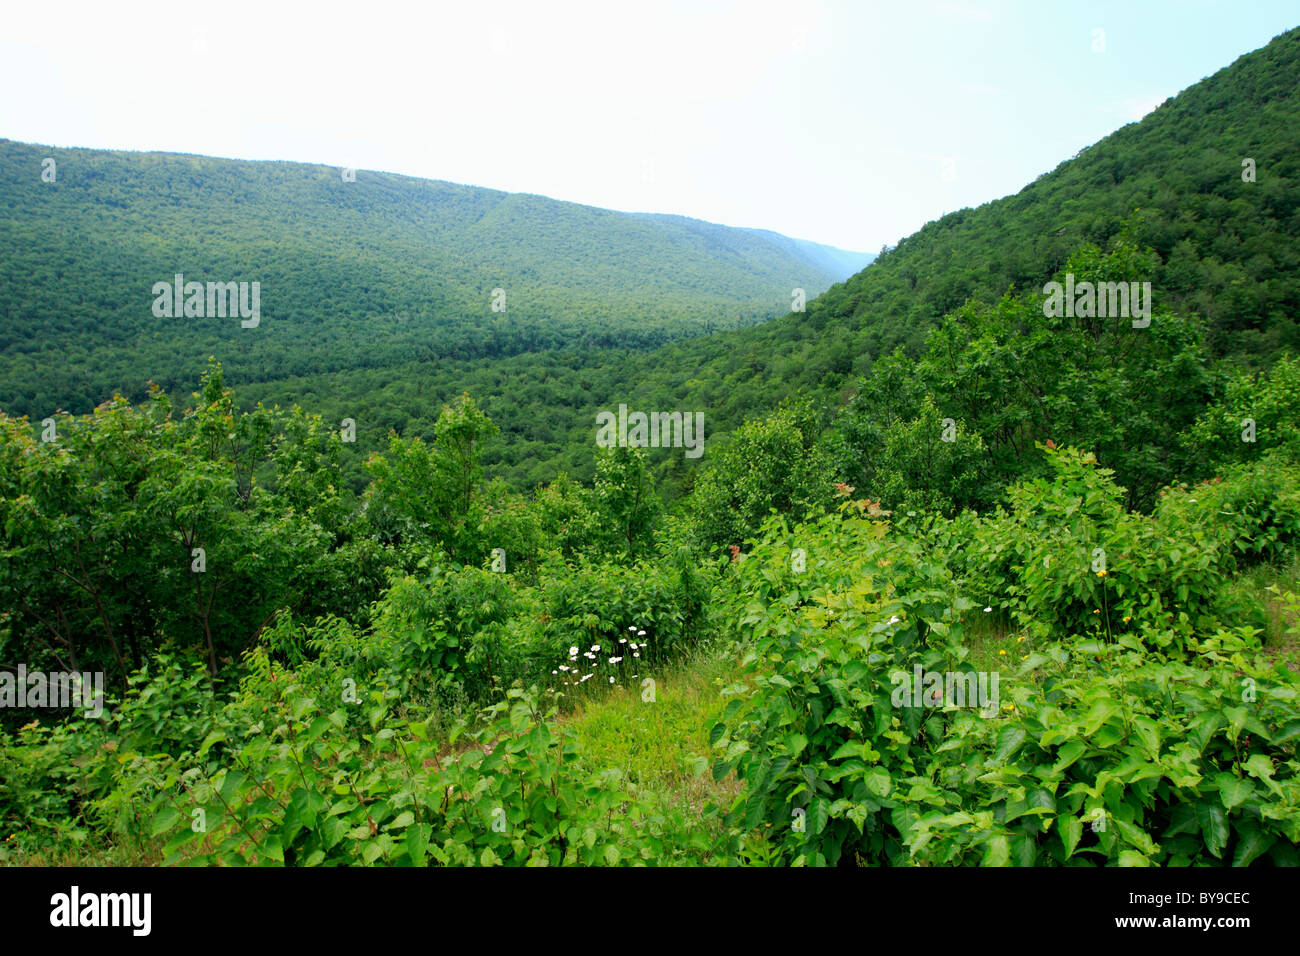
{"points": [[828, 121]]}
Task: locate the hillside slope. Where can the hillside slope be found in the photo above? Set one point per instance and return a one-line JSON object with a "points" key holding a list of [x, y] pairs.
{"points": [[1229, 250], [361, 274]]}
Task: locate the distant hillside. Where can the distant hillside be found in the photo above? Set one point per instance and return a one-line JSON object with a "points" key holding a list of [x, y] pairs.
{"points": [[839, 263], [362, 274], [1229, 250]]}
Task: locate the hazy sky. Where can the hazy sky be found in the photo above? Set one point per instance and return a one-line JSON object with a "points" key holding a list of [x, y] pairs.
{"points": [[851, 123]]}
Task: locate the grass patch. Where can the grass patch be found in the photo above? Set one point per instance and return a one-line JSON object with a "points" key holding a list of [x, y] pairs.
{"points": [[663, 745], [1270, 593]]}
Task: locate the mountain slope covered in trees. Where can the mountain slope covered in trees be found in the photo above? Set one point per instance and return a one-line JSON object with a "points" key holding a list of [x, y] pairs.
{"points": [[1086, 528], [1226, 253], [1227, 250], [354, 273]]}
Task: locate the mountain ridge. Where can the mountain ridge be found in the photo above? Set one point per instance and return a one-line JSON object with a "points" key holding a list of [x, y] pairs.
{"points": [[407, 267]]}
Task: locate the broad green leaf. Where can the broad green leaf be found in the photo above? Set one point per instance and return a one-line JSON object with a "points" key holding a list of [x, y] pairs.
{"points": [[1233, 790], [165, 820], [1101, 711], [818, 814], [997, 852], [1071, 830], [1068, 754], [878, 782], [1010, 739], [1251, 843], [1213, 822]]}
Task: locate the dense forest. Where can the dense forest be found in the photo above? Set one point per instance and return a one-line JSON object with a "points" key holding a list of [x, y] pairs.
{"points": [[356, 276], [483, 639]]}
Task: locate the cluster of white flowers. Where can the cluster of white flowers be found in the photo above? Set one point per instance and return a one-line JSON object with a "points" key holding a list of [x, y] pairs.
{"points": [[572, 669]]}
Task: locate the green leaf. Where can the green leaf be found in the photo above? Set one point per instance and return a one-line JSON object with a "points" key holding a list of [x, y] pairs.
{"points": [[1287, 733], [318, 727], [1213, 822], [1101, 711], [878, 782], [1010, 739], [1233, 790], [818, 814], [1071, 830], [1148, 732], [850, 748], [230, 785], [1068, 754], [519, 717], [165, 820], [1251, 843], [1261, 768], [417, 841], [1203, 729], [997, 852]]}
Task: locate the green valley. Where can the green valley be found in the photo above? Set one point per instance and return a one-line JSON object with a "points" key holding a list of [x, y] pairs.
{"points": [[987, 558]]}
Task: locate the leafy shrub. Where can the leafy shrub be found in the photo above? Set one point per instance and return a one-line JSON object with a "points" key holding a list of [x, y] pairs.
{"points": [[1251, 513], [816, 739], [61, 779], [1119, 757], [1102, 751], [1068, 559], [301, 791]]}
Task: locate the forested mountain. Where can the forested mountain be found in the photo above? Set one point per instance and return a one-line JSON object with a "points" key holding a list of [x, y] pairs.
{"points": [[377, 293], [313, 647], [356, 270], [1226, 251]]}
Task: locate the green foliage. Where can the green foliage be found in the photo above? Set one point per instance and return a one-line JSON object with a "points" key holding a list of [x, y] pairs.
{"points": [[423, 495], [357, 280], [309, 793], [1132, 751], [910, 464], [134, 531], [1005, 377], [1257, 414], [65, 779], [310, 669], [772, 464]]}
